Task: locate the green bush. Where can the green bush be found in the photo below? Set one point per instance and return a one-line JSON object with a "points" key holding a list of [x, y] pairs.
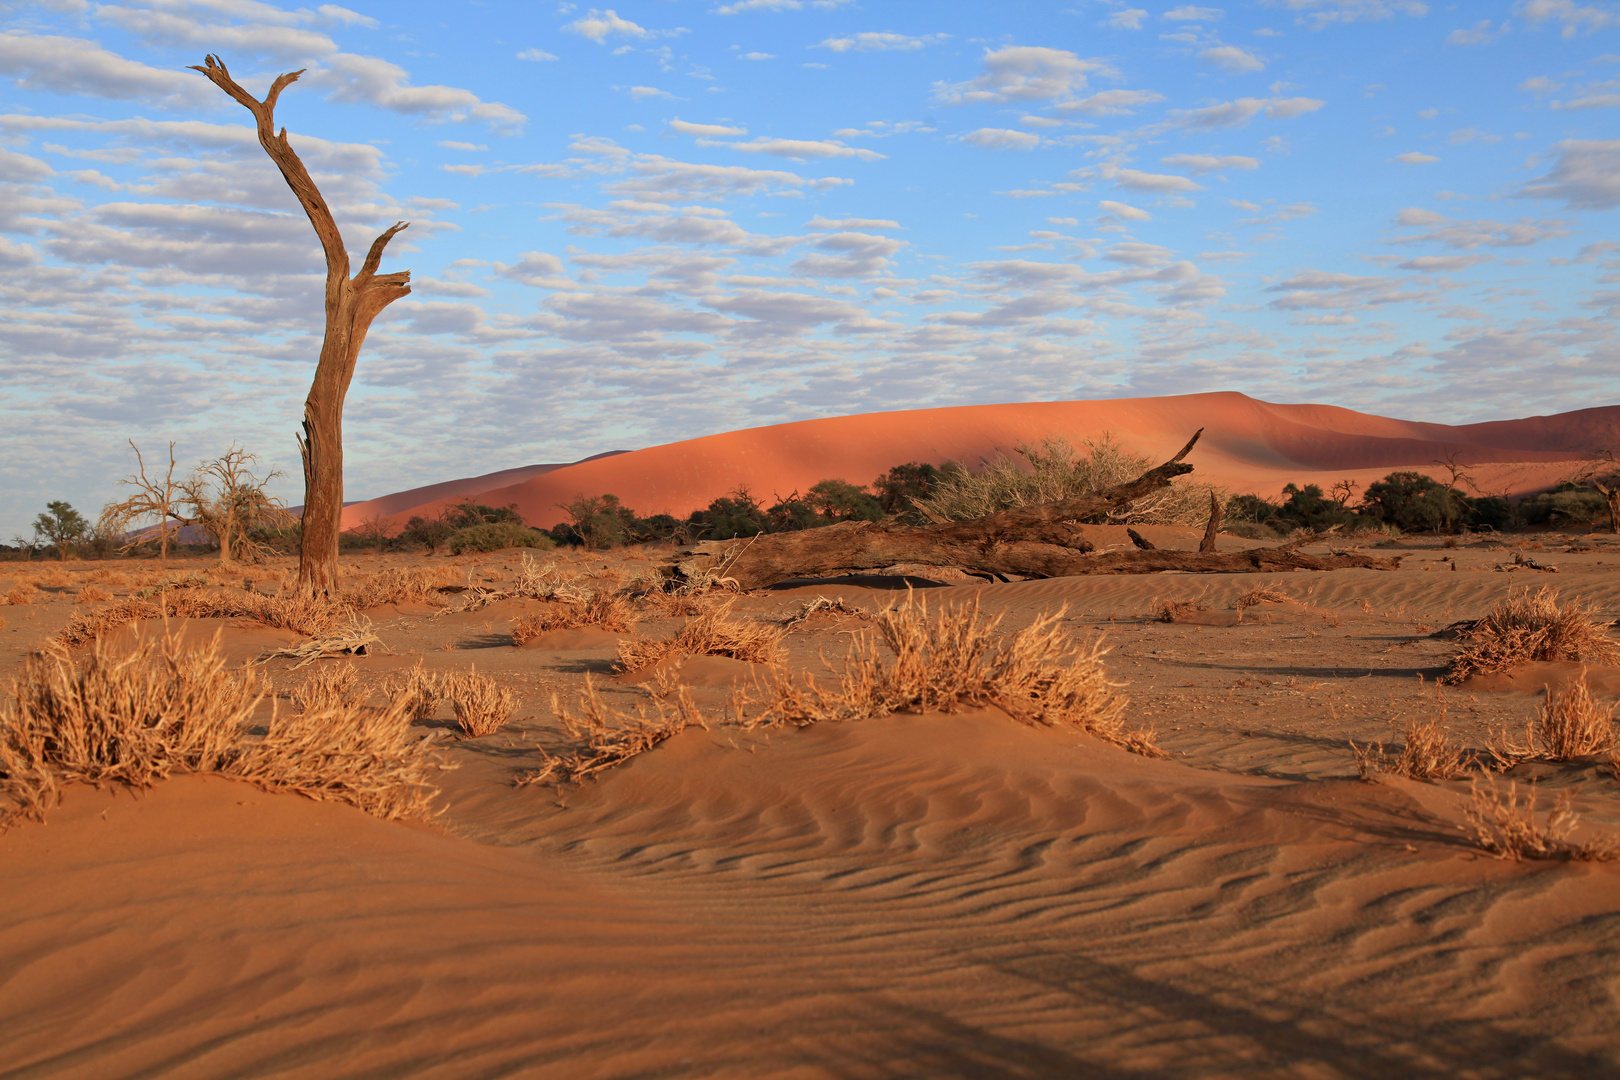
{"points": [[496, 535], [1566, 504], [1416, 502]]}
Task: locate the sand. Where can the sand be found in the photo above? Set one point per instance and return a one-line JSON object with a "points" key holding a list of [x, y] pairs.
{"points": [[924, 895], [1247, 446]]}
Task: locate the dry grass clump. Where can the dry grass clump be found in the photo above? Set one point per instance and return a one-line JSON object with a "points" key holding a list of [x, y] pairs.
{"points": [[421, 690], [329, 687], [55, 578], [606, 610], [24, 594], [161, 708], [1572, 724], [301, 614], [822, 605], [354, 638], [481, 704], [396, 585], [1262, 596], [1507, 827], [106, 575], [92, 594], [1173, 611], [712, 632], [1427, 755], [1532, 626], [1038, 676], [609, 736]]}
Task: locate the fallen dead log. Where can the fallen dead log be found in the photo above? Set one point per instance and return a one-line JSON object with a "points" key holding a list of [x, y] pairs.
{"points": [[1032, 541]]}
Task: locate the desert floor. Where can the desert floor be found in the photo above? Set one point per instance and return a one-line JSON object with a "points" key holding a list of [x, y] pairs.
{"points": [[918, 896]]}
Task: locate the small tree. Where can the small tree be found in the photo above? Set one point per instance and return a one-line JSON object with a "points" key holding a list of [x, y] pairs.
{"points": [[154, 499], [351, 305], [229, 501], [377, 530], [1603, 473], [61, 524]]}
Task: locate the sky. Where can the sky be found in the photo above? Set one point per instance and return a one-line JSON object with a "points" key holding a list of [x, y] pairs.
{"points": [[668, 218]]}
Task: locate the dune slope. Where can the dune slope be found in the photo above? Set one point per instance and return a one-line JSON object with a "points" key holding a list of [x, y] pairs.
{"points": [[1248, 445]]}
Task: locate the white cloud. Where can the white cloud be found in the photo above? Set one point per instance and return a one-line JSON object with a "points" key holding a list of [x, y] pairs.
{"points": [[1481, 33], [1540, 85], [819, 223], [707, 130], [1413, 157], [1110, 102], [285, 42], [757, 56], [855, 254], [1480, 232], [347, 17], [1022, 73], [1232, 59], [879, 42], [1002, 139], [1125, 19], [1189, 13], [1442, 264], [1586, 175], [1241, 111], [353, 79], [742, 6], [452, 144], [1574, 17], [802, 149], [639, 92], [1320, 14], [64, 65], [1133, 180], [536, 55], [600, 25], [1203, 163], [1124, 211], [1587, 101]]}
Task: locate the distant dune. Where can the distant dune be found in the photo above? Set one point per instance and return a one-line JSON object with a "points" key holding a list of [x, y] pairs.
{"points": [[1248, 446]]}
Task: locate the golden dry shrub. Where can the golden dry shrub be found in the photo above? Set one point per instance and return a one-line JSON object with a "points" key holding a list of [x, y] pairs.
{"points": [[609, 736], [397, 585], [106, 575], [1507, 826], [481, 704], [606, 610], [422, 691], [329, 687], [956, 659], [353, 638], [1532, 626], [159, 708], [1428, 754], [1572, 724], [92, 594], [1261, 595], [301, 614], [1173, 611], [24, 593], [712, 632]]}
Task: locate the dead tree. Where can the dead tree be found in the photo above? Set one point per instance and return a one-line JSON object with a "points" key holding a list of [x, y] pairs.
{"points": [[154, 498], [351, 304], [1030, 541]]}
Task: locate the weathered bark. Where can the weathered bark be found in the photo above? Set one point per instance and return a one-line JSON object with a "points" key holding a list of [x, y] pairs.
{"points": [[1207, 544], [351, 305], [1038, 541], [1140, 541]]}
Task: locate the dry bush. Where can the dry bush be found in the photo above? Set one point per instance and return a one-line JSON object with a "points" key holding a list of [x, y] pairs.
{"points": [[1038, 676], [54, 578], [1054, 470], [609, 736], [329, 687], [1532, 626], [1427, 754], [821, 605], [160, 708], [481, 704], [92, 594], [679, 603], [24, 594], [534, 581], [713, 632], [106, 575], [1572, 724], [1172, 611], [1507, 827], [1262, 596], [396, 585], [421, 690], [354, 638], [300, 614], [610, 612]]}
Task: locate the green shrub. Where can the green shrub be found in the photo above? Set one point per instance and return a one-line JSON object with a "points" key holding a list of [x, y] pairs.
{"points": [[1416, 502], [496, 535], [1566, 504]]}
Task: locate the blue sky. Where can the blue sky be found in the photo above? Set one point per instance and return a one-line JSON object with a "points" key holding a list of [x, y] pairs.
{"points": [[668, 218]]}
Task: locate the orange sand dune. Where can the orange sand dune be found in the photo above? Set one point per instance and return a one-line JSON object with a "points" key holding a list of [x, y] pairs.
{"points": [[1248, 445]]}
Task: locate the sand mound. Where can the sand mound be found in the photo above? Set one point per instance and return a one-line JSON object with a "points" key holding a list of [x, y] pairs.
{"points": [[1248, 445]]}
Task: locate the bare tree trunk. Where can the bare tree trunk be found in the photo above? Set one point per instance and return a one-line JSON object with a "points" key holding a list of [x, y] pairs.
{"points": [[351, 305], [1207, 545]]}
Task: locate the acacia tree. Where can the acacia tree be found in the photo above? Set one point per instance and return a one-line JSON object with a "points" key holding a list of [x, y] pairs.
{"points": [[229, 501], [154, 498], [1603, 473], [351, 305], [61, 525]]}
